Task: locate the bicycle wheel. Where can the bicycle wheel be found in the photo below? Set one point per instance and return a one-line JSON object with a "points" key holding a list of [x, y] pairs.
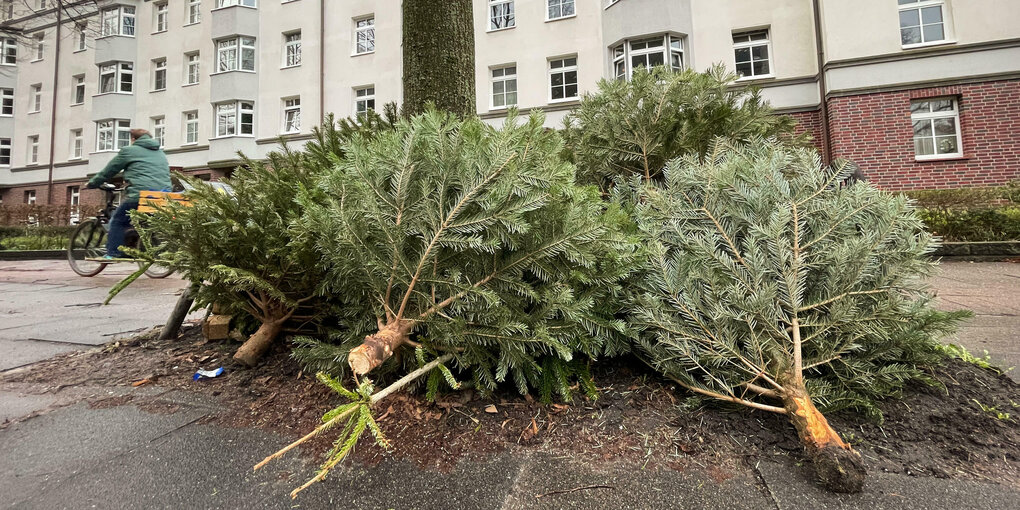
{"points": [[156, 271], [88, 241]]}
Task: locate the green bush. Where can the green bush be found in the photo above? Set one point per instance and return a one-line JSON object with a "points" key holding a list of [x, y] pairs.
{"points": [[979, 224], [34, 242]]}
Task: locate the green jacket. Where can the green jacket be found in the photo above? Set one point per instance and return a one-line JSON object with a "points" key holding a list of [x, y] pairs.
{"points": [[145, 168]]}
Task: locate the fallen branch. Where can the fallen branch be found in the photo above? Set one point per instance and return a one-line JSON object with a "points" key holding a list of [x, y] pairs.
{"points": [[575, 489]]}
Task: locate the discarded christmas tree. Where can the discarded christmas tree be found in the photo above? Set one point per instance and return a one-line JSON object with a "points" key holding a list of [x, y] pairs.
{"points": [[468, 245], [633, 127], [771, 285]]}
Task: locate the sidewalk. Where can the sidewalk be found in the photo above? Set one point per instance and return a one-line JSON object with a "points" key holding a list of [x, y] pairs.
{"points": [[149, 447]]}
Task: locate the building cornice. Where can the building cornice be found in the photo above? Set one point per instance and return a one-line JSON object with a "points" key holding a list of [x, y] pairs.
{"points": [[923, 53], [559, 107], [1013, 75], [285, 138], [188, 148]]}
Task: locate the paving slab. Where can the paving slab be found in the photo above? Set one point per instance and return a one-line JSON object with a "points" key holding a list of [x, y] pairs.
{"points": [[16, 353], [15, 405], [792, 488]]}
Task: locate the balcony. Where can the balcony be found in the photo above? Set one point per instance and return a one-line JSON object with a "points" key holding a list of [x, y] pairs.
{"points": [[116, 47], [234, 20], [233, 85], [113, 106], [637, 18]]}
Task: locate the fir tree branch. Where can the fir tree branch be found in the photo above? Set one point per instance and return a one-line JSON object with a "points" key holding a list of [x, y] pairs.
{"points": [[841, 296], [735, 400]]}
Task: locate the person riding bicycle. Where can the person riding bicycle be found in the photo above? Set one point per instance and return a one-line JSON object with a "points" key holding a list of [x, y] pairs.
{"points": [[145, 168]]}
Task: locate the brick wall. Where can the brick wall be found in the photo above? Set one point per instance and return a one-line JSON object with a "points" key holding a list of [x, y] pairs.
{"points": [[875, 131], [810, 123]]}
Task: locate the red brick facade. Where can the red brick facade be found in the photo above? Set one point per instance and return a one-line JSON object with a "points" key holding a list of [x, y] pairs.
{"points": [[875, 131], [62, 191]]}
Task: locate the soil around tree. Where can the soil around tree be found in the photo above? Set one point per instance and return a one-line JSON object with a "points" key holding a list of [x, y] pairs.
{"points": [[956, 431]]}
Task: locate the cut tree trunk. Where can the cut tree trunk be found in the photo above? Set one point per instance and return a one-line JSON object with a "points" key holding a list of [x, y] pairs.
{"points": [[378, 347], [180, 311], [252, 349], [838, 466], [439, 56]]}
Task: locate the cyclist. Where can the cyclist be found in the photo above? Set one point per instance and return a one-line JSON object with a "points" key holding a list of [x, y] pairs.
{"points": [[145, 168]]}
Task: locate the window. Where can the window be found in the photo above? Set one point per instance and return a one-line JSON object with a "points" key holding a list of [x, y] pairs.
{"points": [[112, 135], [194, 11], [230, 3], [292, 115], [80, 36], [78, 96], [9, 53], [646, 54], [73, 195], [501, 14], [159, 74], [563, 78], [33, 149], [118, 77], [159, 129], [161, 13], [227, 52], [40, 5], [936, 128], [190, 128], [6, 102], [235, 119], [504, 86], [35, 99], [751, 54], [921, 21], [118, 21], [40, 45], [556, 9], [5, 151], [193, 68], [364, 36], [77, 144], [30, 196], [292, 49], [364, 100]]}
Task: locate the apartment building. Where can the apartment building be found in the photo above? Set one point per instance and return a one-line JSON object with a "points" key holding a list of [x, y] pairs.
{"points": [[920, 93]]}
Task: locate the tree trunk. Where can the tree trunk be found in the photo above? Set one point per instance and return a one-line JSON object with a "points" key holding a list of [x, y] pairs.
{"points": [[173, 323], [378, 347], [439, 56], [839, 467], [253, 348]]}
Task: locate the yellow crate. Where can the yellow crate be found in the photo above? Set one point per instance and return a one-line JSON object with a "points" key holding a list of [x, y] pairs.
{"points": [[149, 200]]}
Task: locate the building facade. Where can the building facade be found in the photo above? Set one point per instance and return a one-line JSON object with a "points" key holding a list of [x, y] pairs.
{"points": [[919, 93]]}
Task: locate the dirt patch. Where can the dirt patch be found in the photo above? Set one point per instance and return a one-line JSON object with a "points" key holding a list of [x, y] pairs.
{"points": [[941, 432], [108, 402]]}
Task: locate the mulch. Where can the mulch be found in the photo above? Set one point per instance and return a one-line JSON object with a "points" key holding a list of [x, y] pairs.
{"points": [[957, 431]]}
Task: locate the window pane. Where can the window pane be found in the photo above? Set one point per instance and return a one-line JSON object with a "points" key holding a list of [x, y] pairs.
{"points": [[945, 126], [497, 87], [511, 98], [946, 144], [910, 35], [656, 59], [761, 67], [571, 91], [931, 14], [920, 107], [922, 128], [557, 92], [557, 79], [511, 85], [742, 54], [909, 18], [760, 52], [942, 105], [924, 146], [934, 33]]}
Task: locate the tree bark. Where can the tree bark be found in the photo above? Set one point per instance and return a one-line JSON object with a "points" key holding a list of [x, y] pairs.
{"points": [[252, 349], [378, 347], [838, 466], [439, 56], [180, 311]]}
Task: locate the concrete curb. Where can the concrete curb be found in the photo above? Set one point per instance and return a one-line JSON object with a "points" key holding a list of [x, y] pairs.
{"points": [[32, 254], [979, 251]]}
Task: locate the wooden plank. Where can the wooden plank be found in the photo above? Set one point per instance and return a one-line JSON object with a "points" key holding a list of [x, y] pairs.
{"points": [[149, 201]]}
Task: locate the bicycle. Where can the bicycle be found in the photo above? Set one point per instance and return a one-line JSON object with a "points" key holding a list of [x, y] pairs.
{"points": [[88, 242]]}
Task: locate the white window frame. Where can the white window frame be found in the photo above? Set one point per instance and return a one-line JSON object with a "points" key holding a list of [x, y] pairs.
{"points": [[117, 134], [74, 193], [161, 14], [503, 76], [159, 70], [192, 68], [81, 36], [292, 49], [159, 129], [364, 99], [120, 71], [190, 128], [77, 144], [621, 56], [30, 197], [35, 99], [8, 51], [561, 7], [563, 69], [502, 15], [78, 90], [238, 46], [233, 114], [919, 5], [119, 20], [930, 117], [291, 115], [39, 39], [194, 12], [750, 44], [364, 35], [6, 102], [5, 152], [33, 150], [222, 4]]}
